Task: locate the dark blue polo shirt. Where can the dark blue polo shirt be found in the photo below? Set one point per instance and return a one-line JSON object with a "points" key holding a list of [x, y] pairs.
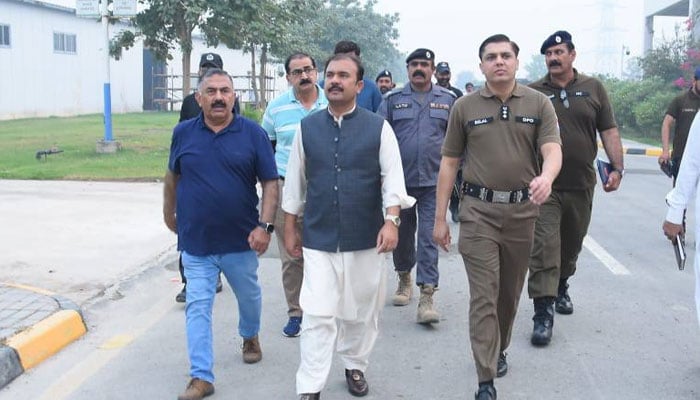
{"points": [[216, 196]]}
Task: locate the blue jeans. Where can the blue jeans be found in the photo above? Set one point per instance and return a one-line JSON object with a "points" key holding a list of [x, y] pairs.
{"points": [[241, 272]]}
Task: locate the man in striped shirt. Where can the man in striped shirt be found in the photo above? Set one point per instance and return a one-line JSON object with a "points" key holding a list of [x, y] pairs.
{"points": [[281, 119]]}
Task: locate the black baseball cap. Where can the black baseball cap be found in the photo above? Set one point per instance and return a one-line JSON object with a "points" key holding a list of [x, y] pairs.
{"points": [[211, 60]]}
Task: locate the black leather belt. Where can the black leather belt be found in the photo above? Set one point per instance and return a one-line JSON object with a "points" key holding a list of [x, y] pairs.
{"points": [[495, 196]]}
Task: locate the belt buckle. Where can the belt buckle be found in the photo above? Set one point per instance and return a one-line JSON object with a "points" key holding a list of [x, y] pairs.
{"points": [[500, 197]]}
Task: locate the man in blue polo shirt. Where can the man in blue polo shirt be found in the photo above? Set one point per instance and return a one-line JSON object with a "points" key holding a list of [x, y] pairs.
{"points": [[210, 201], [281, 120]]}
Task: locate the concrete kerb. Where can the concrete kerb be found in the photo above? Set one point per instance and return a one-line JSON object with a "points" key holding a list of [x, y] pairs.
{"points": [[33, 345]]}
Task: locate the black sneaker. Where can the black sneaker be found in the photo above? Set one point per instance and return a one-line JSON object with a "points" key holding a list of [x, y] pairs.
{"points": [[486, 392], [181, 297], [502, 367]]}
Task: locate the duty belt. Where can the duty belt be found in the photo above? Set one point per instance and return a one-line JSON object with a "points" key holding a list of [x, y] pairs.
{"points": [[495, 196]]}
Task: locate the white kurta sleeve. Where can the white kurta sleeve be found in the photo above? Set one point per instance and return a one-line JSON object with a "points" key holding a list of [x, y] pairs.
{"points": [[393, 185], [294, 192], [687, 182]]}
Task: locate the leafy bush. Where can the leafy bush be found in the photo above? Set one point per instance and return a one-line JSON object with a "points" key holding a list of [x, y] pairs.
{"points": [[640, 105]]}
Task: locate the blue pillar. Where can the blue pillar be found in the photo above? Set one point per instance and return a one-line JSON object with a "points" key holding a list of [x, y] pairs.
{"points": [[108, 111]]}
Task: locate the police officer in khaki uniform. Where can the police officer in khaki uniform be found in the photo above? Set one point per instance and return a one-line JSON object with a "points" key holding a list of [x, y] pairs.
{"points": [[418, 114], [499, 131], [583, 109]]}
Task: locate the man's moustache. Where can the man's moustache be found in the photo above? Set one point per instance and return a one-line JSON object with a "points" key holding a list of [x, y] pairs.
{"points": [[333, 87], [304, 81], [218, 104], [419, 73], [555, 64]]}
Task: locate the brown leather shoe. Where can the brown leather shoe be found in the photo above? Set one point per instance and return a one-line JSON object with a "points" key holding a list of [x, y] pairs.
{"points": [[357, 385], [252, 352], [196, 390]]}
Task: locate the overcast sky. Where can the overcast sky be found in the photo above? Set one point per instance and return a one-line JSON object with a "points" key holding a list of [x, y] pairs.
{"points": [[454, 29]]}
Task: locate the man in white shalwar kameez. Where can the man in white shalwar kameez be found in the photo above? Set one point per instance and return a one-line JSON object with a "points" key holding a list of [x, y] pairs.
{"points": [[345, 176], [679, 197]]}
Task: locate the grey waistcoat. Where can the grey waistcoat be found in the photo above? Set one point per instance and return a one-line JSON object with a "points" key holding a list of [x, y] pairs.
{"points": [[343, 209]]}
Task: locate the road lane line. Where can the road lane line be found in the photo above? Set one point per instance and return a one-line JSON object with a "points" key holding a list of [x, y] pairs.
{"points": [[97, 359], [601, 254]]}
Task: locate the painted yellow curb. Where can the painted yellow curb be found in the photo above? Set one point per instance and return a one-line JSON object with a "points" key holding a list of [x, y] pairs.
{"points": [[46, 338]]}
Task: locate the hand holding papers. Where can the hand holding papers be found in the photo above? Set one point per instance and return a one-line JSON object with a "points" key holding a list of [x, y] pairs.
{"points": [[667, 167], [604, 170]]}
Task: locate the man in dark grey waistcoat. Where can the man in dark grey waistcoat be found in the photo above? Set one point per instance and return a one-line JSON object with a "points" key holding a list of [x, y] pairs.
{"points": [[345, 176]]}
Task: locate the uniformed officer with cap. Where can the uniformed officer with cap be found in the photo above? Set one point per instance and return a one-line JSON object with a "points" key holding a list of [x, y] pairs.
{"points": [[418, 113], [500, 131], [583, 109], [443, 76], [384, 82]]}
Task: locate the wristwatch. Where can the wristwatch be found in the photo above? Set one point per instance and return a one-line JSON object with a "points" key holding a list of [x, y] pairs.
{"points": [[268, 227], [394, 220], [620, 171]]}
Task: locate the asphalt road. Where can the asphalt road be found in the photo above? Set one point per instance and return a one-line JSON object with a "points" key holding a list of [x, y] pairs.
{"points": [[633, 335]]}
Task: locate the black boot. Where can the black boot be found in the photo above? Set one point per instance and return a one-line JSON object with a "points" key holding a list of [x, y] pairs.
{"points": [[544, 321], [563, 304]]}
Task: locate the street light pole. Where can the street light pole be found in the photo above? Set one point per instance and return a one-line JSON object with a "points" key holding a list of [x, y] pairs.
{"points": [[625, 52]]}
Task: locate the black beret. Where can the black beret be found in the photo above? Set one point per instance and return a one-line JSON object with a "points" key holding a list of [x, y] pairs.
{"points": [[556, 38], [424, 54], [383, 74]]}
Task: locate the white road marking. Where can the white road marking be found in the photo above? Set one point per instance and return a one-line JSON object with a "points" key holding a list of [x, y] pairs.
{"points": [[601, 254]]}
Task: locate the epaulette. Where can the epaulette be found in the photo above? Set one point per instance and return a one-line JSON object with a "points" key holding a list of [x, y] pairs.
{"points": [[446, 90], [393, 92]]}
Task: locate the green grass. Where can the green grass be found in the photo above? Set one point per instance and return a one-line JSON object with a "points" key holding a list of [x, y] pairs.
{"points": [[144, 137]]}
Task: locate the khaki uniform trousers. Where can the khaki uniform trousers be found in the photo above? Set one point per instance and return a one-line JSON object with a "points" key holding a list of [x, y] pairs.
{"points": [[292, 268], [559, 233], [495, 241]]}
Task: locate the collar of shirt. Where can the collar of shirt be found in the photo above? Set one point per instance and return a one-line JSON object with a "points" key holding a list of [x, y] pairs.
{"points": [[339, 119]]}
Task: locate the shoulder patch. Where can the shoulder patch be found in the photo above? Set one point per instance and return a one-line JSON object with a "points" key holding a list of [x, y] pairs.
{"points": [[443, 90], [480, 121], [393, 92]]}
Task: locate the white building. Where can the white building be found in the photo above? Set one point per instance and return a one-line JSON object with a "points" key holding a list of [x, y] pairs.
{"points": [[53, 63], [669, 8]]}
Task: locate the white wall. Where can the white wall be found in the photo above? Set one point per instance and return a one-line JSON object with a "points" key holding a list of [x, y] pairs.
{"points": [[35, 81]]}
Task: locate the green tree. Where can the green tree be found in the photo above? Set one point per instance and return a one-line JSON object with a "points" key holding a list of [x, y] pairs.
{"points": [[262, 28], [356, 20], [535, 68], [162, 25]]}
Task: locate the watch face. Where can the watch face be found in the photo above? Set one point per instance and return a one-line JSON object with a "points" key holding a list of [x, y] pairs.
{"points": [[269, 228]]}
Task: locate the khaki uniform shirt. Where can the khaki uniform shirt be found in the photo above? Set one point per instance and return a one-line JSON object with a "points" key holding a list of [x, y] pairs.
{"points": [[500, 141], [589, 112], [683, 109]]}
